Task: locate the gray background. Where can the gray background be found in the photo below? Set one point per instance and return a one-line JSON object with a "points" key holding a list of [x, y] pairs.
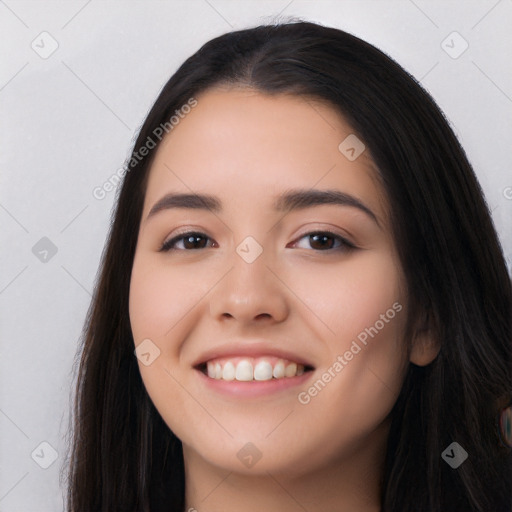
{"points": [[68, 121]]}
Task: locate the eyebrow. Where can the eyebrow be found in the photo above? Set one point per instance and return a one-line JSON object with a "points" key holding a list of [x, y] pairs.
{"points": [[295, 199]]}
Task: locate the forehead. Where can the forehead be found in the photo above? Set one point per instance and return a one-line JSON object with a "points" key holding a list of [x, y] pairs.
{"points": [[246, 146]]}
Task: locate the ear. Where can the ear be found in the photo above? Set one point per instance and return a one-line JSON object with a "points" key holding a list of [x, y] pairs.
{"points": [[425, 344]]}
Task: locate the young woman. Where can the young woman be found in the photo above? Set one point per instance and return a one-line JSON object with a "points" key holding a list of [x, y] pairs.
{"points": [[303, 303]]}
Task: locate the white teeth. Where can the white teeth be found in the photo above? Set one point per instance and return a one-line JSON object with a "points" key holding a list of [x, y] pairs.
{"points": [[290, 370], [228, 372], [211, 369], [279, 370], [243, 371], [248, 369], [263, 371]]}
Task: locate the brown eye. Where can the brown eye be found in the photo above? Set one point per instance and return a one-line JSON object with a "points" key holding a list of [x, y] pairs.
{"points": [[319, 241], [325, 241], [322, 241], [189, 241]]}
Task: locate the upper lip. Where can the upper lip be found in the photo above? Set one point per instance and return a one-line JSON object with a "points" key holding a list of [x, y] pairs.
{"points": [[244, 348]]}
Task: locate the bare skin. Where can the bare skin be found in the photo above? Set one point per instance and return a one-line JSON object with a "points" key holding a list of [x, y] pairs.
{"points": [[320, 450]]}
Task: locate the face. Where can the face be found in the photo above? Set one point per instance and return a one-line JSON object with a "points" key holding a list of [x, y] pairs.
{"points": [[261, 319]]}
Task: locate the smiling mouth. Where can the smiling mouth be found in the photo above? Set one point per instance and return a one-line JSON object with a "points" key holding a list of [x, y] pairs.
{"points": [[247, 369]]}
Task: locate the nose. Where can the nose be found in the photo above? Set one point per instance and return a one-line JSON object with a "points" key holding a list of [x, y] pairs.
{"points": [[250, 293]]}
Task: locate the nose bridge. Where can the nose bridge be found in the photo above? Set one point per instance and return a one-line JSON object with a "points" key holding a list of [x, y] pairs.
{"points": [[249, 290]]}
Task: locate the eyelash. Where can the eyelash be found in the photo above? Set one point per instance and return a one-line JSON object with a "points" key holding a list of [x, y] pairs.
{"points": [[344, 246]]}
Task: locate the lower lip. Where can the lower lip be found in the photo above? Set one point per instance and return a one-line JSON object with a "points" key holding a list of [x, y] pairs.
{"points": [[253, 388]]}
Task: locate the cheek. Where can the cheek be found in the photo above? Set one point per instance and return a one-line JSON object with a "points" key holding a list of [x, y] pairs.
{"points": [[161, 296], [345, 299], [150, 297], [364, 311], [372, 307], [353, 394], [371, 333]]}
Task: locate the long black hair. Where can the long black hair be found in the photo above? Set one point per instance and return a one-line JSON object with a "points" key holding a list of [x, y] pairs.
{"points": [[123, 455]]}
